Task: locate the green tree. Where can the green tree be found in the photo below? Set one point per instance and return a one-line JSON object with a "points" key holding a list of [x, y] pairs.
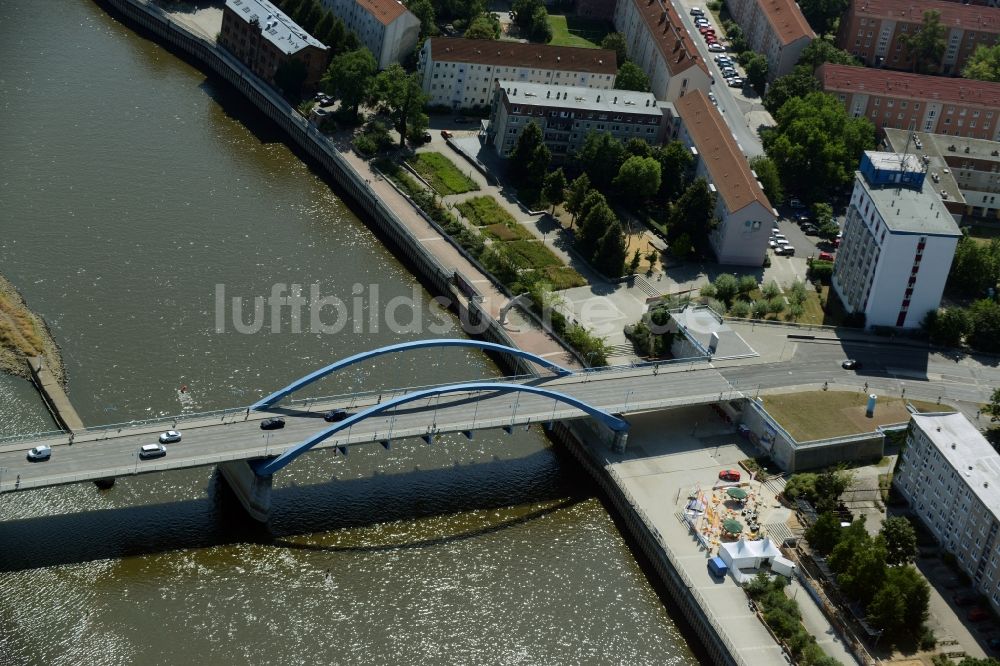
{"points": [[615, 41], [768, 176], [756, 68], [609, 258], [578, 191], [637, 148], [531, 157], [900, 540], [984, 64], [324, 26], [947, 326], [734, 33], [815, 144], [824, 534], [692, 213], [601, 157], [638, 178], [350, 77], [554, 188], [532, 17], [830, 485], [335, 37], [899, 606], [747, 283], [866, 571], [630, 77], [823, 15], [925, 47], [770, 290], [798, 83], [594, 225], [985, 329], [401, 96], [993, 409], [974, 268], [424, 10], [822, 50], [289, 78], [726, 287], [633, 265], [675, 166], [485, 26]]}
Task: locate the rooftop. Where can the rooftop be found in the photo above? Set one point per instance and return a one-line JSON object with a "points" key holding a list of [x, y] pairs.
{"points": [[787, 20], [723, 158], [845, 78], [277, 28], [953, 14], [517, 54], [930, 154], [968, 452], [386, 11], [895, 161], [909, 211], [578, 97], [669, 35]]}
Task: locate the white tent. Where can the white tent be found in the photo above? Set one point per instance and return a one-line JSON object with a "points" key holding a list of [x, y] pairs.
{"points": [[744, 554]]}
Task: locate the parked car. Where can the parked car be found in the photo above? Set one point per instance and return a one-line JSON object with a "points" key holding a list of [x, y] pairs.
{"points": [[169, 437], [825, 256], [735, 82], [273, 423], [795, 203], [335, 415], [779, 237], [445, 134], [711, 96], [426, 138], [147, 451], [710, 38], [730, 475], [697, 11], [964, 598], [810, 229], [978, 614], [851, 364], [785, 250], [715, 48], [40, 453], [705, 30]]}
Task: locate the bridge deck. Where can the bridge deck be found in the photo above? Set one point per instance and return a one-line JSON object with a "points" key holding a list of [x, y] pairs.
{"points": [[235, 436]]}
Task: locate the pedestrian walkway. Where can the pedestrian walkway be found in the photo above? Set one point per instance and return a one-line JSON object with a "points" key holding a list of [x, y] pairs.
{"points": [[817, 624]]}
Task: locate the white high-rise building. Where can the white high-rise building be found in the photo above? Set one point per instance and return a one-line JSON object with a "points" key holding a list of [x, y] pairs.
{"points": [[898, 243]]}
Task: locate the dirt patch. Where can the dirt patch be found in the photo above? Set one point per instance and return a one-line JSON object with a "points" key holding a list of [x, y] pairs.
{"points": [[22, 334]]}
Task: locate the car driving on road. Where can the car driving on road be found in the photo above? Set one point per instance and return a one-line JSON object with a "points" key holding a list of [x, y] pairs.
{"points": [[273, 423], [40, 453], [169, 437], [851, 364], [147, 451]]}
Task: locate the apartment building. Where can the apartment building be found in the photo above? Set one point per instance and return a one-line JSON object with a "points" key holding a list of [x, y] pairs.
{"points": [[898, 243], [745, 215], [872, 30], [462, 73], [900, 100], [567, 114], [950, 475], [661, 46], [775, 28], [264, 39], [964, 172], [385, 27]]}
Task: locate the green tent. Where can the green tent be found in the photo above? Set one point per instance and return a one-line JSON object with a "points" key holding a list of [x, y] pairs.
{"points": [[732, 526], [737, 493]]}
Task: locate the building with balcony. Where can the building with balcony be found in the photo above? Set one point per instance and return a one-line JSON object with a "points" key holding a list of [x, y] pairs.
{"points": [[871, 30], [745, 216], [264, 39], [964, 172], [775, 28], [898, 243], [462, 73], [567, 114], [386, 27], [950, 475], [936, 104], [661, 46]]}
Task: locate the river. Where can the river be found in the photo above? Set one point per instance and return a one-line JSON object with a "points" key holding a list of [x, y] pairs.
{"points": [[135, 192]]}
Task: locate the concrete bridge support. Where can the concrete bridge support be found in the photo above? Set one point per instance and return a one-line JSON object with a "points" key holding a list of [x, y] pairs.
{"points": [[253, 491]]}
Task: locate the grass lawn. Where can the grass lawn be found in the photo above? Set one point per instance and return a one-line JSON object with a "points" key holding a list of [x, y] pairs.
{"points": [[577, 31], [822, 414], [813, 311], [533, 253], [504, 232], [442, 174], [563, 277], [485, 212]]}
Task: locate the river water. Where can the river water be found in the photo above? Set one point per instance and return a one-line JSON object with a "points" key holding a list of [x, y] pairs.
{"points": [[134, 193]]}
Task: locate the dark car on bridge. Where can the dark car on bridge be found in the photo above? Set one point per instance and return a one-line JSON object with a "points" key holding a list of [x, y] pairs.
{"points": [[273, 423], [335, 415]]}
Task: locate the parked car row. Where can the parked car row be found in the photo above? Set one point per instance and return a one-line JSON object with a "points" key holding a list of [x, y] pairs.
{"points": [[704, 26], [729, 72]]}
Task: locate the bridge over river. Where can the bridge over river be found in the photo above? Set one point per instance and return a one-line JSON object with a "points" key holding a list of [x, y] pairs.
{"points": [[249, 456]]}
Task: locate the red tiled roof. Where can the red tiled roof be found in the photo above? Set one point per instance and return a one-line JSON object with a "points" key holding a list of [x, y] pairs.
{"points": [[953, 14], [670, 35], [723, 158], [386, 11], [517, 54], [787, 20], [845, 78]]}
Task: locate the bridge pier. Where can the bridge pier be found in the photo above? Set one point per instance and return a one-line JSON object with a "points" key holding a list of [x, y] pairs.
{"points": [[253, 491], [619, 441]]}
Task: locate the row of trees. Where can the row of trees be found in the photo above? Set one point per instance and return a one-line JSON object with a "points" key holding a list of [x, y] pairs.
{"points": [[735, 297], [876, 572], [630, 76], [755, 64], [533, 19], [782, 615], [321, 24], [974, 277]]}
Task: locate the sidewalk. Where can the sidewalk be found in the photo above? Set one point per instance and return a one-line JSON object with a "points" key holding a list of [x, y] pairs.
{"points": [[817, 624]]}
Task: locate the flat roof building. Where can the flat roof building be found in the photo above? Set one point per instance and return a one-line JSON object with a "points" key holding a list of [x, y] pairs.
{"points": [[567, 114], [775, 28], [461, 73], [264, 38], [745, 215], [964, 172], [937, 104], [897, 246], [386, 27], [950, 475], [873, 30], [658, 42]]}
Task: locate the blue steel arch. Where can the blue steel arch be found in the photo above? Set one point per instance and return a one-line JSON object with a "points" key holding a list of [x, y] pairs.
{"points": [[404, 346], [269, 467]]}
